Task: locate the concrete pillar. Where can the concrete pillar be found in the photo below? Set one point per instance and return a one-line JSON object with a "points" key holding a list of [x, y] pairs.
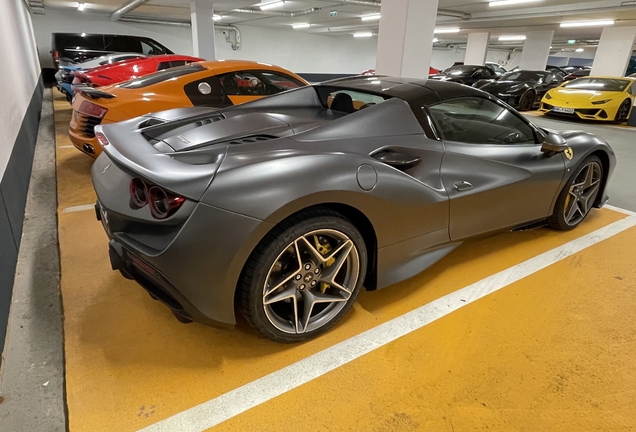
{"points": [[201, 12], [536, 50], [405, 40], [614, 51], [476, 48]]}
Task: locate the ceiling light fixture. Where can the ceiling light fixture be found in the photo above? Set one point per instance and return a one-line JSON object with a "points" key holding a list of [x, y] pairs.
{"points": [[447, 30], [371, 17], [435, 40], [629, 3], [510, 2], [81, 6], [301, 25], [587, 23], [579, 50], [362, 34], [272, 5], [216, 17], [512, 38]]}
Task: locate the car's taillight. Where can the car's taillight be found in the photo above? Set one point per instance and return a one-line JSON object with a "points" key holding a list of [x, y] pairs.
{"points": [[162, 203], [93, 110], [56, 55], [101, 138], [138, 193]]}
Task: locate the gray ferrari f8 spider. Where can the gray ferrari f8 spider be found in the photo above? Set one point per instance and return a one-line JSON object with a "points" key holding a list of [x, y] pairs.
{"points": [[284, 208]]}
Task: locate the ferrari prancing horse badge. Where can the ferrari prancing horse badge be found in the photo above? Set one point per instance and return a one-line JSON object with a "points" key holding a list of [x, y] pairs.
{"points": [[569, 153]]}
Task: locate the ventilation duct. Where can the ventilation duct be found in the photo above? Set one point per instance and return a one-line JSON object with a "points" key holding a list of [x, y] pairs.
{"points": [[377, 4], [273, 13], [128, 7]]}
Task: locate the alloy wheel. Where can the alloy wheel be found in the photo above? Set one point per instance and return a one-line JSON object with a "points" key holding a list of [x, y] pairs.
{"points": [[582, 193], [311, 281], [623, 111]]}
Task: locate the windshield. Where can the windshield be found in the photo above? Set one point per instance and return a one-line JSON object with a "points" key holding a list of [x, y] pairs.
{"points": [[461, 70], [600, 84], [525, 76]]}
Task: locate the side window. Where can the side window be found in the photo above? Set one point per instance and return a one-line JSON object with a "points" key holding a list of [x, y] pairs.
{"points": [[122, 44], [150, 48], [477, 120], [206, 92], [349, 101], [257, 83]]}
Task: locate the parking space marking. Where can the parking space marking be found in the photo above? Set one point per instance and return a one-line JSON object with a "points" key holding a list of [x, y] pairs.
{"points": [[620, 210], [235, 402], [66, 146], [78, 208]]}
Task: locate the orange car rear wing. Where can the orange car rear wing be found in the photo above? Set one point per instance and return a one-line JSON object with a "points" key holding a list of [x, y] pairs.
{"points": [[92, 92]]}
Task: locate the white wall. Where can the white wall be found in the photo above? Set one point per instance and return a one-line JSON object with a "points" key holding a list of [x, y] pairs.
{"points": [[19, 72], [302, 52], [178, 39]]}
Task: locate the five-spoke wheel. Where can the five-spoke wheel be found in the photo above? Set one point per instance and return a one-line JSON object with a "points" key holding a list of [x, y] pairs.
{"points": [[578, 196], [304, 276]]}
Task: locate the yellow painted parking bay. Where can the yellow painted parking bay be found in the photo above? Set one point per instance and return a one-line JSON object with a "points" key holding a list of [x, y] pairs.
{"points": [[552, 351]]}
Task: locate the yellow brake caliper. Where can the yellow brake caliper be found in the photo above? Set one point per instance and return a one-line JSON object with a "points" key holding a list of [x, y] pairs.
{"points": [[324, 250]]}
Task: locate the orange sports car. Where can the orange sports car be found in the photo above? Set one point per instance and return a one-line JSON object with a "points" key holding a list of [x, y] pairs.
{"points": [[217, 83]]}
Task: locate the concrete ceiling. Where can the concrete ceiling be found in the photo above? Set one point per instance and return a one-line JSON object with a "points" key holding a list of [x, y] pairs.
{"points": [[502, 20]]}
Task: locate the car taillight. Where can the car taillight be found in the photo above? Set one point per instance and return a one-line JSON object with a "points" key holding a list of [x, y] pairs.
{"points": [[101, 138], [138, 192], [162, 203], [93, 110], [56, 55]]}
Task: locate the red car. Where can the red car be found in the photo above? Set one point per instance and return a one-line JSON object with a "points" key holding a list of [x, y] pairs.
{"points": [[126, 70]]}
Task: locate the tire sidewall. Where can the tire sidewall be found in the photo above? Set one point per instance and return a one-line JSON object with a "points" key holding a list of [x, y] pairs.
{"points": [[273, 250]]}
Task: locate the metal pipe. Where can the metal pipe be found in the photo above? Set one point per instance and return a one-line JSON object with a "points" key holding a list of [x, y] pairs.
{"points": [[452, 13], [130, 6], [236, 44], [273, 13]]}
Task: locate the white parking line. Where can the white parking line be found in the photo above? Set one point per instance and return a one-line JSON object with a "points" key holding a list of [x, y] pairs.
{"points": [[237, 401], [78, 208], [620, 210], [66, 146]]}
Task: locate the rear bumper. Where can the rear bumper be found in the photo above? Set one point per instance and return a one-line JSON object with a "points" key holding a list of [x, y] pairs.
{"points": [[85, 144]]}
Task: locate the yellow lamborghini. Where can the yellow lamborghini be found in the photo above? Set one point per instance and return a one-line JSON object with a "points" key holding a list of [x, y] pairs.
{"points": [[592, 98]]}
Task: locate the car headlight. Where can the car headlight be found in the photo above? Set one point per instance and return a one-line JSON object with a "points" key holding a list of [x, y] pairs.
{"points": [[601, 102], [547, 96]]}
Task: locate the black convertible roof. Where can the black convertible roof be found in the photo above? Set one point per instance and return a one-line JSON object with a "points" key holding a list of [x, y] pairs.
{"points": [[408, 89]]}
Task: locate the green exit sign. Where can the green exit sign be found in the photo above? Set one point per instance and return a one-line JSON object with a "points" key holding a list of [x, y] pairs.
{"points": [[572, 41]]}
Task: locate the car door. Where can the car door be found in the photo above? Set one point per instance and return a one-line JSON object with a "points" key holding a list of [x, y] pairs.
{"points": [[493, 169], [551, 81]]}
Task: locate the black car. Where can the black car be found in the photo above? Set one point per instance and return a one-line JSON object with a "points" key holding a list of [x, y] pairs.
{"points": [[466, 74], [79, 47], [521, 89]]}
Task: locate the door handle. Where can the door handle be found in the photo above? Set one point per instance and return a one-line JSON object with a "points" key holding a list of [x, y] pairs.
{"points": [[401, 161], [462, 185]]}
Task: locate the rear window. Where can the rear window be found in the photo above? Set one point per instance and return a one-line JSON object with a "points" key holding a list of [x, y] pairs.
{"points": [[165, 75], [122, 44], [346, 100]]}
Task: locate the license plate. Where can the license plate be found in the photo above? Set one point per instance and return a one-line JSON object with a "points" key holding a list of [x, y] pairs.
{"points": [[563, 110]]}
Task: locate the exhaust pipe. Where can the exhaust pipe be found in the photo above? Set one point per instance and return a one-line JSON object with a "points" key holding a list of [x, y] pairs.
{"points": [[88, 148]]}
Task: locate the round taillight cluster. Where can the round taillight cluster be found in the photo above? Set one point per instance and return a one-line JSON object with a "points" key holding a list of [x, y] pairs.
{"points": [[162, 203]]}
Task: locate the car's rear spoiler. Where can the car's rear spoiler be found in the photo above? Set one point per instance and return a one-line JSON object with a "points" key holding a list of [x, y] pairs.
{"points": [[92, 92]]}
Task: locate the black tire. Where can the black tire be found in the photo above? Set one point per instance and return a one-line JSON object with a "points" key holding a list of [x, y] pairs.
{"points": [[559, 219], [527, 101], [623, 112], [268, 254]]}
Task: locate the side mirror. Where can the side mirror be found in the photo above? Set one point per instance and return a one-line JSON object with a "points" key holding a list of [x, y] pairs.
{"points": [[554, 143]]}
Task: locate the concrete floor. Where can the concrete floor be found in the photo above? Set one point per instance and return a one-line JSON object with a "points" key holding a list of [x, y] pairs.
{"points": [[552, 351]]}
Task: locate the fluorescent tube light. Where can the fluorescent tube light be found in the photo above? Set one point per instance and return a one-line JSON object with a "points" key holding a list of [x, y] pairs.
{"points": [[371, 17], [81, 6], [301, 25], [363, 34], [216, 17], [447, 30], [271, 5], [512, 38], [587, 23], [435, 40], [510, 2], [579, 50]]}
